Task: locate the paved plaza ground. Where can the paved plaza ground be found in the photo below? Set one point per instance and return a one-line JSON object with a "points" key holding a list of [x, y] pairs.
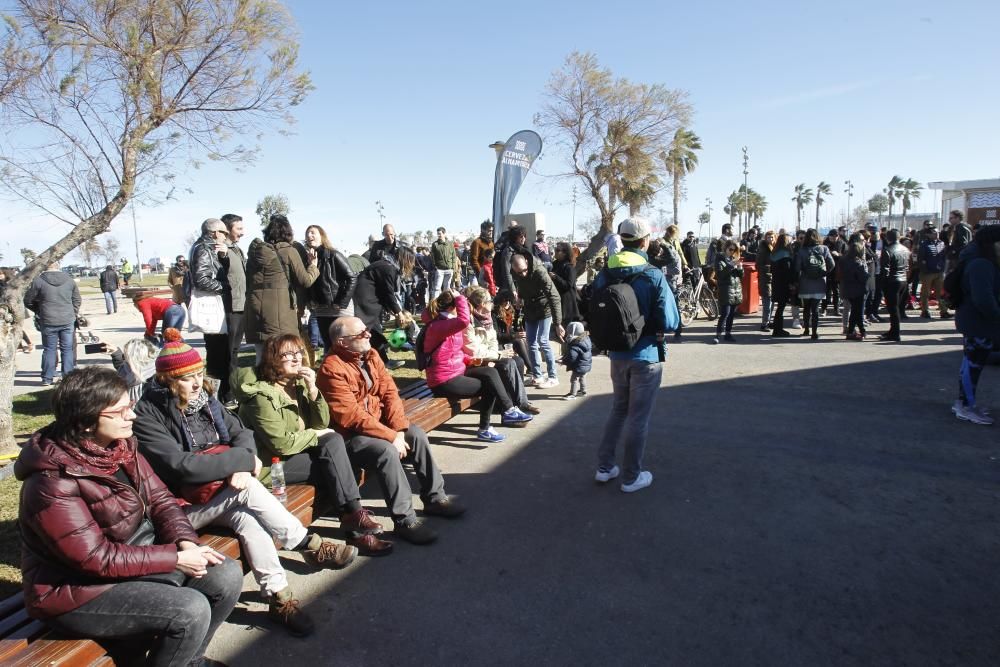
{"points": [[813, 504]]}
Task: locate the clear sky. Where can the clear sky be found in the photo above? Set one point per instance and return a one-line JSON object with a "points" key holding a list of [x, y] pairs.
{"points": [[409, 96]]}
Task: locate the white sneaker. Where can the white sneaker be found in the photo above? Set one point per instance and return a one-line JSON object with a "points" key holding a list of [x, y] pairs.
{"points": [[644, 479], [974, 415], [547, 383], [796, 324], [569, 397], [602, 476]]}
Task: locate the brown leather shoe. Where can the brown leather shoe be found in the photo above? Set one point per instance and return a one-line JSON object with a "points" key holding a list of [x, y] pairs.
{"points": [[330, 554], [284, 609], [531, 409], [370, 545], [361, 522]]}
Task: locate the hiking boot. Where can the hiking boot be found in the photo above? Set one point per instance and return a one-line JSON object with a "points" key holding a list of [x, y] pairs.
{"points": [[361, 522], [284, 609], [974, 415], [370, 545], [603, 476], [324, 553], [415, 531], [446, 506], [644, 479]]}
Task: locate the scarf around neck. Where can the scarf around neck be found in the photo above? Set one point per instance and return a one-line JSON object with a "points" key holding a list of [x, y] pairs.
{"points": [[197, 404], [105, 460], [483, 321]]}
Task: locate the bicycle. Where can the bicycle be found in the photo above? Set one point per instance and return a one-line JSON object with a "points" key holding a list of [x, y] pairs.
{"points": [[695, 294]]}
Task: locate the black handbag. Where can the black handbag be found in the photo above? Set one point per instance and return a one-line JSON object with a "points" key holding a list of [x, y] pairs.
{"points": [[145, 536]]}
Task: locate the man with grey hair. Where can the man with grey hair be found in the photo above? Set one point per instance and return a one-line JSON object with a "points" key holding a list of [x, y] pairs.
{"points": [[208, 277]]}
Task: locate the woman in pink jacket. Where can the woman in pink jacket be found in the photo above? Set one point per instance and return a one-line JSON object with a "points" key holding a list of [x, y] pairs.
{"points": [[452, 374]]}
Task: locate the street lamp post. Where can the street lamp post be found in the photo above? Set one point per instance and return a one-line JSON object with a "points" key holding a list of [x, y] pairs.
{"points": [[708, 203], [746, 189], [135, 235], [381, 213], [850, 193]]}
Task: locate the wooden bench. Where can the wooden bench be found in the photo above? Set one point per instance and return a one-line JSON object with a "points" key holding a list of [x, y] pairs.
{"points": [[25, 642]]}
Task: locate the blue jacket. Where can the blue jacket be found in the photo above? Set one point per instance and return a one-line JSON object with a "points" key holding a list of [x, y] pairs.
{"points": [[978, 315], [578, 356], [656, 301]]}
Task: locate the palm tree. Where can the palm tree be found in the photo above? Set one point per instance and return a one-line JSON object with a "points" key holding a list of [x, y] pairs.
{"points": [[892, 192], [757, 205], [909, 190], [734, 206], [822, 189], [680, 160], [803, 197]]}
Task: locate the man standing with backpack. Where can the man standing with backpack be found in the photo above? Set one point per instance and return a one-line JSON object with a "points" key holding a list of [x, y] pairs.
{"points": [[632, 309]]}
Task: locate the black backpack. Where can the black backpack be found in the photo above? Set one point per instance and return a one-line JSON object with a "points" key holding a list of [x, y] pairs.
{"points": [[613, 315], [953, 284], [424, 359]]}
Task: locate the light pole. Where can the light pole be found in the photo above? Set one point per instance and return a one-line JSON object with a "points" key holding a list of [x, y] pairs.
{"points": [[381, 213], [135, 236], [708, 204], [746, 189], [850, 193]]}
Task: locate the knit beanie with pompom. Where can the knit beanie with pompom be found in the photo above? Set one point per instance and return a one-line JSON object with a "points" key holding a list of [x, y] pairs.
{"points": [[177, 358]]}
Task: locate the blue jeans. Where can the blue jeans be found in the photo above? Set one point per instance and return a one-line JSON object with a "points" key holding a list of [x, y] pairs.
{"points": [[173, 318], [635, 385], [315, 336], [538, 339], [61, 337], [111, 302]]}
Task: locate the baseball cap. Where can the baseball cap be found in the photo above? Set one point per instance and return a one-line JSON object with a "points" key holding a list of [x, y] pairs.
{"points": [[633, 229]]}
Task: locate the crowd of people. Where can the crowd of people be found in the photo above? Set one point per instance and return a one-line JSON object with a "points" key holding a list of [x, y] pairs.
{"points": [[139, 458]]}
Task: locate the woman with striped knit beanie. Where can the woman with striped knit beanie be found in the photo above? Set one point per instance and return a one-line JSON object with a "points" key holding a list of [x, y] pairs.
{"points": [[192, 441]]}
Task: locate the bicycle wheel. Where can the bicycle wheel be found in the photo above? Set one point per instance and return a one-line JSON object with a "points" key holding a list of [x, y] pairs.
{"points": [[708, 303], [686, 305]]}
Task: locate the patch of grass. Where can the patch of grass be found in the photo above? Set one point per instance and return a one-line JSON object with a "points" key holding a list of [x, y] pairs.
{"points": [[32, 411], [10, 540]]}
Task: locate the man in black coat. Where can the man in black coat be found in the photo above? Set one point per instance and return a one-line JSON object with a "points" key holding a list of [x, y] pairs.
{"points": [[109, 286]]}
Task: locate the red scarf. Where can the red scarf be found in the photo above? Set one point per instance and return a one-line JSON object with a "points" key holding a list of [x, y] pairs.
{"points": [[105, 460]]}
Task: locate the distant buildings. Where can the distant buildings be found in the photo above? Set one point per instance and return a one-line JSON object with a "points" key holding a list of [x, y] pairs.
{"points": [[978, 200]]}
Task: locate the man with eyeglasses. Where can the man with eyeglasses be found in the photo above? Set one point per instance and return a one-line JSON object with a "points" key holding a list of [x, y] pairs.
{"points": [[208, 276], [366, 410]]}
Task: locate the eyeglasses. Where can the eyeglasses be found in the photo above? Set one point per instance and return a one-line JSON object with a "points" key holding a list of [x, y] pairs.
{"points": [[121, 413], [364, 333], [286, 356]]}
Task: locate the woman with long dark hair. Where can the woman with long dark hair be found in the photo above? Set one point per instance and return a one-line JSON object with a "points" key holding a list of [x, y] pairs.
{"points": [[783, 283], [564, 278], [330, 296], [853, 271], [812, 263], [107, 552]]}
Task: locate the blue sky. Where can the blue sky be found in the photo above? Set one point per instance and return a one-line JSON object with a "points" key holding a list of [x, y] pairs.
{"points": [[409, 95]]}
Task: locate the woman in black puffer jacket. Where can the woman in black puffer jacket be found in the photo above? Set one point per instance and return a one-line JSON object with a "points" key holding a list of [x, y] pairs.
{"points": [[330, 296]]}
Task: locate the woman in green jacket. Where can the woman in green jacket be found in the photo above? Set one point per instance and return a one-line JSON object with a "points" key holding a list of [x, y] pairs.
{"points": [[289, 417]]}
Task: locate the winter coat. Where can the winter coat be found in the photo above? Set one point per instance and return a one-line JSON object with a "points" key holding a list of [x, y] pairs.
{"points": [[375, 291], [853, 277], [109, 280], [501, 264], [336, 283], [167, 443], [808, 285], [931, 257], [782, 274], [479, 246], [75, 522], [539, 294], [444, 340], [651, 292], [895, 263], [176, 279], [152, 310], [274, 273], [579, 357], [480, 342], [281, 427], [381, 248], [729, 273], [207, 273], [443, 255], [691, 254], [54, 298], [961, 236], [234, 272], [763, 263], [355, 408], [979, 313], [564, 278]]}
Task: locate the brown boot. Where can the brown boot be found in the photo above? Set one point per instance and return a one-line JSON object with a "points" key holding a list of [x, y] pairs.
{"points": [[324, 553], [284, 609], [360, 522]]}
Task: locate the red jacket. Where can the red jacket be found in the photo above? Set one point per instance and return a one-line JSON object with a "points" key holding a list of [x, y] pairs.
{"points": [[491, 284], [356, 409], [152, 310], [75, 522]]}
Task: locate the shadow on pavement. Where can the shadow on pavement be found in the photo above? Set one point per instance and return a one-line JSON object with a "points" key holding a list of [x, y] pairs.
{"points": [[830, 516]]}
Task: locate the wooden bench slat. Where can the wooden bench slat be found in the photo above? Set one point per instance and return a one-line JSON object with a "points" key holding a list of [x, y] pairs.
{"points": [[53, 652]]}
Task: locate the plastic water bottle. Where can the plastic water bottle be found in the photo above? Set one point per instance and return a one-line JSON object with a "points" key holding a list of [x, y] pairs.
{"points": [[278, 480]]}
